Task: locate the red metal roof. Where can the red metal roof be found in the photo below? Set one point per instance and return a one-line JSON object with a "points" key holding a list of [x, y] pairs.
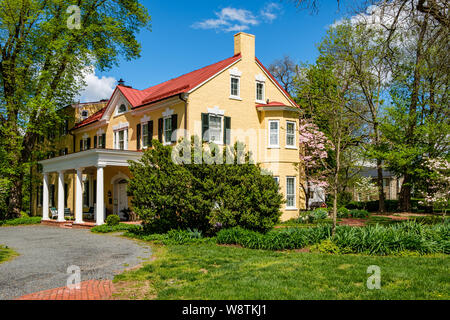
{"points": [[185, 83]]}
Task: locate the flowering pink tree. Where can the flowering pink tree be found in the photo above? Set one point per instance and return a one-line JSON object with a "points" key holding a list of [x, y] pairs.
{"points": [[313, 146], [438, 182]]}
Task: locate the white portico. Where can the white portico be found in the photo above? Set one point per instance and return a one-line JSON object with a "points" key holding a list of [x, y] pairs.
{"points": [[92, 163]]}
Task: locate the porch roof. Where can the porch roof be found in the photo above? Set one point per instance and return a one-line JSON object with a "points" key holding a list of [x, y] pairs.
{"points": [[90, 158]]}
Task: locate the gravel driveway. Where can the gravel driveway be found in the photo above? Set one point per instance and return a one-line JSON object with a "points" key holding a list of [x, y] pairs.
{"points": [[47, 252]]}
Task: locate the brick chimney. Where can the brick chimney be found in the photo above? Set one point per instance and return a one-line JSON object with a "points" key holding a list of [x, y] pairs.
{"points": [[244, 43]]}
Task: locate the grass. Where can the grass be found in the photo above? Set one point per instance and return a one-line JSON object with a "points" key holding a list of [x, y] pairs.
{"points": [[6, 253], [210, 271], [20, 221]]}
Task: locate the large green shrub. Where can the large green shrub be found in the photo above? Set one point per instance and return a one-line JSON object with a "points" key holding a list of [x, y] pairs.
{"points": [[112, 220], [358, 213], [173, 194]]}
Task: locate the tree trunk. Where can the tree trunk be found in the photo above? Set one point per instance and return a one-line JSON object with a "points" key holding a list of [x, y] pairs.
{"points": [[15, 198], [381, 207], [405, 195]]}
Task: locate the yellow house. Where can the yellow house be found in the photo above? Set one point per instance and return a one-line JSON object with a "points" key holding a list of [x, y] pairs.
{"points": [[235, 99]]}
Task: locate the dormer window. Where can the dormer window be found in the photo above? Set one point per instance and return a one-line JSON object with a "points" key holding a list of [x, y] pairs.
{"points": [[84, 114]]}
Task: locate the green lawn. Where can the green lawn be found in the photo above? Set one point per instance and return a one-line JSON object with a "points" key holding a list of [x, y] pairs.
{"points": [[209, 271], [6, 253]]}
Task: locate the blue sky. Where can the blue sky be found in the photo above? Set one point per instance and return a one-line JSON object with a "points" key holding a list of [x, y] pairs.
{"points": [[187, 35]]}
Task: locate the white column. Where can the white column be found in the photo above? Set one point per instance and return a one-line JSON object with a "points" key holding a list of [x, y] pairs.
{"points": [[45, 198], [61, 196], [100, 197], [79, 196]]}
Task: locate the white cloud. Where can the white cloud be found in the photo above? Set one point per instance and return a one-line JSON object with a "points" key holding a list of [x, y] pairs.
{"points": [[96, 88], [232, 19], [270, 11]]}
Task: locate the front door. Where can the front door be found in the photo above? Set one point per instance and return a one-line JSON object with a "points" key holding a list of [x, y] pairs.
{"points": [[122, 199]]}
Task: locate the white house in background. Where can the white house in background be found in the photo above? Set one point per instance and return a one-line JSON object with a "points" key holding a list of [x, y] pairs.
{"points": [[316, 196]]}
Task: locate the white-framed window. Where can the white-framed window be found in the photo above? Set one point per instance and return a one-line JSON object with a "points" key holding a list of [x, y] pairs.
{"points": [[290, 134], [290, 193], [260, 91], [145, 135], [167, 130], [274, 133], [215, 128], [235, 87], [84, 114], [121, 139]]}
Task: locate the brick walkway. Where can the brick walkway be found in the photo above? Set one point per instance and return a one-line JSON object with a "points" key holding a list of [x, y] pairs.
{"points": [[89, 290]]}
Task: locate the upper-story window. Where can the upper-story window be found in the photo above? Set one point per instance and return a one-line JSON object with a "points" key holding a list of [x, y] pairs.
{"points": [[121, 136], [260, 91], [84, 114], [274, 133], [235, 86], [167, 126], [122, 108], [290, 134], [85, 142], [121, 139]]}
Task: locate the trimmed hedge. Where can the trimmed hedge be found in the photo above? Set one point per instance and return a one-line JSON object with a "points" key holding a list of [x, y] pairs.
{"points": [[105, 228]]}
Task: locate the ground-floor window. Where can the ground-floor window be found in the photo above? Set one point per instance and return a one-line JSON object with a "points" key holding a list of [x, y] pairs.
{"points": [[290, 192]]}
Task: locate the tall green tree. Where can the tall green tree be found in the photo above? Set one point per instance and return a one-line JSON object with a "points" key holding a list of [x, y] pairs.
{"points": [[361, 49], [416, 126], [45, 47], [323, 92]]}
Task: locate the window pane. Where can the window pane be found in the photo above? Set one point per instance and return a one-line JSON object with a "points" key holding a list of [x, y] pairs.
{"points": [[167, 129], [121, 142], [290, 134], [234, 86], [259, 91], [144, 135], [290, 192], [215, 128], [273, 133]]}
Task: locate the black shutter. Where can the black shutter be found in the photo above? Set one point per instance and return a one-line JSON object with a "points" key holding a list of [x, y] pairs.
{"points": [[95, 142], [205, 127], [81, 145], [138, 136], [150, 133], [103, 141], [174, 127], [226, 130], [160, 129], [88, 143]]}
